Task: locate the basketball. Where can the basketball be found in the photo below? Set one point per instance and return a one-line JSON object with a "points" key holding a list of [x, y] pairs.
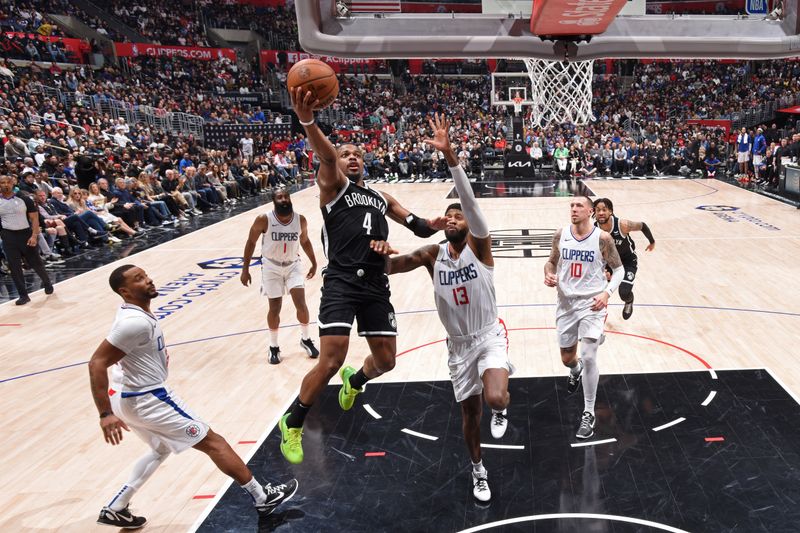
{"points": [[315, 76]]}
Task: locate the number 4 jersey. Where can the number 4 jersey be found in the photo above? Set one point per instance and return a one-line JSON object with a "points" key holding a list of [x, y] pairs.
{"points": [[464, 292], [581, 267], [356, 216]]}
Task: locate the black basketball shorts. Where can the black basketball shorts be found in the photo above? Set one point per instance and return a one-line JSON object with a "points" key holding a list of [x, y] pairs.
{"points": [[347, 296], [630, 271]]}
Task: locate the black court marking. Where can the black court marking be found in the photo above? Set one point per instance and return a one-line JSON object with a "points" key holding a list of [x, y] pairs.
{"points": [[527, 189], [749, 482]]}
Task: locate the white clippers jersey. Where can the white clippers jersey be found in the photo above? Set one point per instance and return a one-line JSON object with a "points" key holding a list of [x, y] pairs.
{"points": [[138, 334], [581, 267], [281, 242], [464, 292]]}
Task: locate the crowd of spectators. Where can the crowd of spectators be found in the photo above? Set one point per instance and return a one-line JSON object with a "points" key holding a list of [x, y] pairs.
{"points": [[277, 22], [23, 16], [28, 17], [129, 176], [168, 23]]}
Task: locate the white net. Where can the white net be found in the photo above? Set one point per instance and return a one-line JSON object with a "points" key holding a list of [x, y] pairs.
{"points": [[561, 91]]}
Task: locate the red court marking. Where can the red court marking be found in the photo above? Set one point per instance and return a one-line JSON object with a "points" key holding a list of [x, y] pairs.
{"points": [[715, 439], [11, 325], [665, 343], [374, 454], [203, 497], [247, 442]]}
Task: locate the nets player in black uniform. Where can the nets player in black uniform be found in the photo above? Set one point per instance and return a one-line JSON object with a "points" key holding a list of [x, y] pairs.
{"points": [[620, 230], [354, 283]]}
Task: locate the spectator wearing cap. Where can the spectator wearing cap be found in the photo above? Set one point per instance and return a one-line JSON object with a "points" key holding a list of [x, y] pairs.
{"points": [[19, 231], [28, 184]]}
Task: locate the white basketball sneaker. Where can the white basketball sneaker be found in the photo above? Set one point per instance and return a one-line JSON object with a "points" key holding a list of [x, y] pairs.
{"points": [[499, 424], [480, 486]]}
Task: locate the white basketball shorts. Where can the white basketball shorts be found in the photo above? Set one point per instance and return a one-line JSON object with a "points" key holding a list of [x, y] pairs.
{"points": [[758, 160], [575, 320], [470, 356], [279, 280], [743, 157], [159, 417]]}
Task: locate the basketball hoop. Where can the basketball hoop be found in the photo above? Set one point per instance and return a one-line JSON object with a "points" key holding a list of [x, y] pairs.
{"points": [[517, 105], [561, 91]]}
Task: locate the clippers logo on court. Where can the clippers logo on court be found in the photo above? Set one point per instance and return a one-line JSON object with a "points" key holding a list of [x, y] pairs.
{"points": [[229, 262], [521, 243], [729, 213], [193, 430]]}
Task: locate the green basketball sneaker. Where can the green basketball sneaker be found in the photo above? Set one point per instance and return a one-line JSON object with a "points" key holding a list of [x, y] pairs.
{"points": [[347, 394], [291, 442]]}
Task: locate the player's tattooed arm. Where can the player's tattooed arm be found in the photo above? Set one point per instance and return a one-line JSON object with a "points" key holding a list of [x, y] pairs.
{"points": [[424, 256], [628, 226], [551, 265], [609, 250]]}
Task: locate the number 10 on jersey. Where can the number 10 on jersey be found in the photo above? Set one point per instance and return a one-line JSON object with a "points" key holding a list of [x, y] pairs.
{"points": [[460, 296], [576, 270]]}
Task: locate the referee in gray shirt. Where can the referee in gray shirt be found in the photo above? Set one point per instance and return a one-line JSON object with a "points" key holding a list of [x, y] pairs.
{"points": [[19, 229]]}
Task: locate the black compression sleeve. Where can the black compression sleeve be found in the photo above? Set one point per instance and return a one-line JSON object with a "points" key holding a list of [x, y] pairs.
{"points": [[648, 233]]}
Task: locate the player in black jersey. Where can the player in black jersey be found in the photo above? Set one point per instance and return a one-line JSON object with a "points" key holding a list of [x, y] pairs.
{"points": [[620, 230], [354, 284]]}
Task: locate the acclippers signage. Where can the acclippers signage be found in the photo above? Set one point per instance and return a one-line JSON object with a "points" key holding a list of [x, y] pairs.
{"points": [[186, 52], [574, 17], [336, 63]]}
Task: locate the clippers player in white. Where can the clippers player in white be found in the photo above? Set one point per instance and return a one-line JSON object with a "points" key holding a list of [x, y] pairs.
{"points": [[138, 399], [282, 233], [462, 271], [355, 288], [620, 230], [576, 267]]}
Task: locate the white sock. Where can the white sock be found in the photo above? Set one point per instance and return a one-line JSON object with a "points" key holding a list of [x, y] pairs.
{"points": [[478, 467], [575, 370], [273, 337], [495, 411], [142, 470], [256, 491], [122, 498], [304, 331], [591, 374]]}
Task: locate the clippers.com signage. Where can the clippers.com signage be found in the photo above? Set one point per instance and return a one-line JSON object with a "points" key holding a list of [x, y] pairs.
{"points": [[338, 64], [186, 52]]}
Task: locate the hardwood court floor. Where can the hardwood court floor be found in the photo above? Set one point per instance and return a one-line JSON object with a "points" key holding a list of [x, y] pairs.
{"points": [[720, 286]]}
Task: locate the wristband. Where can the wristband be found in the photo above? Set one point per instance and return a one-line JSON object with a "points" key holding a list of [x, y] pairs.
{"points": [[418, 226], [309, 123], [105, 414]]}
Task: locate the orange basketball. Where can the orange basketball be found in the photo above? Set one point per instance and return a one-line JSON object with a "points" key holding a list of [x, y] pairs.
{"points": [[315, 76]]}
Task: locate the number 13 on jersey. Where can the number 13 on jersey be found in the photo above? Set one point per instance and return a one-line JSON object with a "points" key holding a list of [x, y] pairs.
{"points": [[460, 296]]}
